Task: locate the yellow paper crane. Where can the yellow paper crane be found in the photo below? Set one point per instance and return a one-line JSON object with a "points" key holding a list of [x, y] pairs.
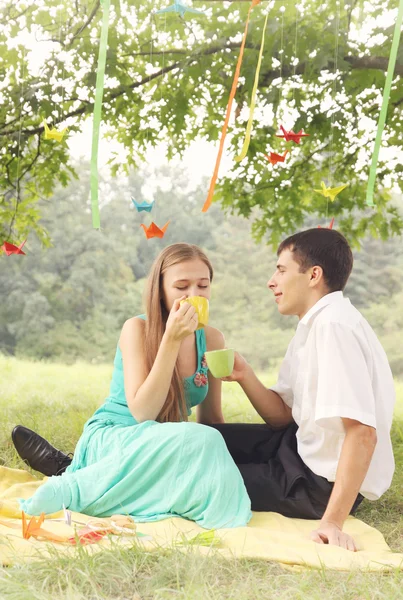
{"points": [[330, 193], [53, 134]]}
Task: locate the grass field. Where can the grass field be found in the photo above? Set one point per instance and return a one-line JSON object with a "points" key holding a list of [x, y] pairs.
{"points": [[56, 400]]}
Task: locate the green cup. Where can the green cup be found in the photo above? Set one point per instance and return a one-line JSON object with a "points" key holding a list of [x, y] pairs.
{"points": [[220, 362]]}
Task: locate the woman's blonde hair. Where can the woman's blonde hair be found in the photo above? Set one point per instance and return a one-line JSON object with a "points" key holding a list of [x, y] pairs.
{"points": [[175, 408]]}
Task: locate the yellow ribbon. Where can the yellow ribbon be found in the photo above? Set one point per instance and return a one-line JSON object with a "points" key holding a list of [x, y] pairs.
{"points": [[245, 146]]}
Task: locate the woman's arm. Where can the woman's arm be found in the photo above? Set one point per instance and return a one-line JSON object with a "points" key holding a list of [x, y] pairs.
{"points": [[210, 411], [146, 394]]}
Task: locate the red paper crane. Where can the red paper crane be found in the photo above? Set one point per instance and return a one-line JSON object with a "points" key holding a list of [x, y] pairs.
{"points": [[11, 249], [330, 226], [291, 136], [274, 158], [87, 536], [154, 231]]}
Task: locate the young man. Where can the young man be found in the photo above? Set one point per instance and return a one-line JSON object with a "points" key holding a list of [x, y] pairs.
{"points": [[326, 442], [334, 398]]}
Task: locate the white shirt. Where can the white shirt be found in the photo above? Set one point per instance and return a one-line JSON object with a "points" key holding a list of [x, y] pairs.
{"points": [[336, 367]]}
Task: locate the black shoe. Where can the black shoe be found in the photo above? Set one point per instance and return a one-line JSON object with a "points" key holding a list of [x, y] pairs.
{"points": [[38, 453]]}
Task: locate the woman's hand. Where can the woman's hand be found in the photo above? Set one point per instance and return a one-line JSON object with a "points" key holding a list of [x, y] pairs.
{"points": [[182, 320]]}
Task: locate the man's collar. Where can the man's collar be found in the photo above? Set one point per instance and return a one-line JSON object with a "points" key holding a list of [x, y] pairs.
{"points": [[324, 301]]}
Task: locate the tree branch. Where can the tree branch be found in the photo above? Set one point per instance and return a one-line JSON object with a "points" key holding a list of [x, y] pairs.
{"points": [[372, 62], [88, 21], [355, 62]]}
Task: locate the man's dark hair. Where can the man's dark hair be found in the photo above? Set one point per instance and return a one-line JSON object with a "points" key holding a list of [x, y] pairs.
{"points": [[324, 248]]}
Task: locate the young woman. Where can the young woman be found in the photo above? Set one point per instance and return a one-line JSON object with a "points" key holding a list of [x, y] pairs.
{"points": [[138, 454]]}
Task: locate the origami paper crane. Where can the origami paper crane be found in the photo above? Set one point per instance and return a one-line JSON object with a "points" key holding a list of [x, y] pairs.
{"points": [[331, 193], [206, 538], [180, 8], [154, 231], [87, 536], [291, 136], [224, 129], [96, 121], [275, 158], [67, 516], [143, 206], [330, 226], [12, 249], [33, 525], [53, 134], [34, 529]]}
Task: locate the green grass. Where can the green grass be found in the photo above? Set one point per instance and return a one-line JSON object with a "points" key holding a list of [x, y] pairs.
{"points": [[56, 400]]}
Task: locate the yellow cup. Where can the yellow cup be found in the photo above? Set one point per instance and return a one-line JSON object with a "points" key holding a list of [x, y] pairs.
{"points": [[201, 305]]}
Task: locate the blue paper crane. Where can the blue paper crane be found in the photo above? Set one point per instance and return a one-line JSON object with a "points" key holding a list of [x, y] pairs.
{"points": [[180, 8], [143, 206]]}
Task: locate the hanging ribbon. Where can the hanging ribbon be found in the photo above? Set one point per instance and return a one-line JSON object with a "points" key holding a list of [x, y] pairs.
{"points": [[385, 103], [245, 146], [228, 113], [99, 91]]}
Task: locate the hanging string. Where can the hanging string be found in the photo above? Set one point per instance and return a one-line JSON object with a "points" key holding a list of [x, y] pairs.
{"points": [[249, 125], [60, 104], [156, 205], [20, 109], [151, 63], [295, 52], [282, 10], [99, 91], [334, 90]]}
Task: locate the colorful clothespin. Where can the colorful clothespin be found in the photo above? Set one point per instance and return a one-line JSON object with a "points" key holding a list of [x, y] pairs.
{"points": [[154, 231]]}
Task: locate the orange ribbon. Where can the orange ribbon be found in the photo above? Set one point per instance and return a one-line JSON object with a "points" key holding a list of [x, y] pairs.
{"points": [[227, 116]]}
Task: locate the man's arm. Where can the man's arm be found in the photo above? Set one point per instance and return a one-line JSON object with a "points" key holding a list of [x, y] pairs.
{"points": [[355, 458], [270, 406]]}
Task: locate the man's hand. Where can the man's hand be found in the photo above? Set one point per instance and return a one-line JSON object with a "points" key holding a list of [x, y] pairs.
{"points": [[329, 533], [239, 371]]}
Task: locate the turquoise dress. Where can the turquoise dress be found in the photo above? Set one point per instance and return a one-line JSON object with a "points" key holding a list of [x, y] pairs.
{"points": [[149, 470]]}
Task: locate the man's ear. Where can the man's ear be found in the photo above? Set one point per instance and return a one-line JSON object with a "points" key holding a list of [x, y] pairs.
{"points": [[316, 275]]}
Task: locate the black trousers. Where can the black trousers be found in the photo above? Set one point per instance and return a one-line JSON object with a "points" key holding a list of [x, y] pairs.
{"points": [[275, 476]]}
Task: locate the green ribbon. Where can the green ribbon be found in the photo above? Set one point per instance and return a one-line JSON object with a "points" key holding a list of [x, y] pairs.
{"points": [[385, 103], [99, 91]]}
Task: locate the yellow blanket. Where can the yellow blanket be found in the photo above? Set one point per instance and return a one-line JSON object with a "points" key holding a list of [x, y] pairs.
{"points": [[268, 536]]}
